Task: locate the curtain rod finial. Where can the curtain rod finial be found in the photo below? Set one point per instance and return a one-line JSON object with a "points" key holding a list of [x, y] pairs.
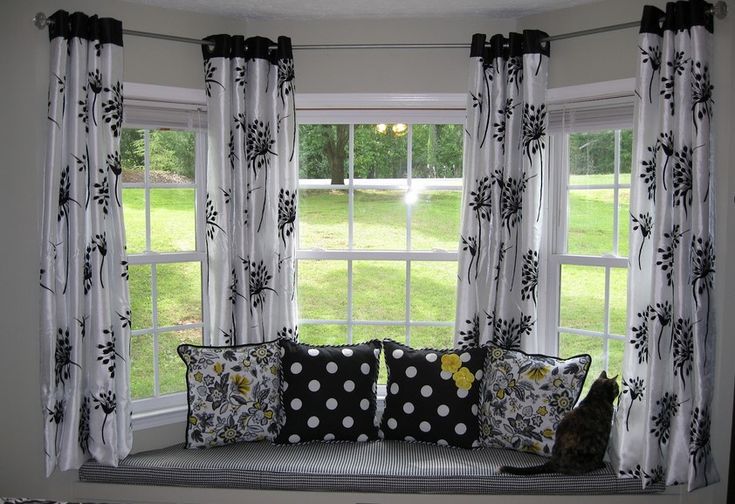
{"points": [[40, 20], [719, 9]]}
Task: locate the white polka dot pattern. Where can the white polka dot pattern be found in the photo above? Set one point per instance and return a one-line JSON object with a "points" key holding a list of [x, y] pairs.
{"points": [[433, 394], [329, 392]]}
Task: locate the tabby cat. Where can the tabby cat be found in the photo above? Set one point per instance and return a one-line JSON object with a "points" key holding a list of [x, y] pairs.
{"points": [[582, 435]]}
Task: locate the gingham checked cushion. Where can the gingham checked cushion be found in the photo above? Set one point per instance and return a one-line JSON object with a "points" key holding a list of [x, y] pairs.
{"points": [[381, 466]]}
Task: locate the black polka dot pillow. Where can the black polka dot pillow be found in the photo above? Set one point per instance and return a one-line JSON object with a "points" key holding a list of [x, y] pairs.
{"points": [[433, 395], [328, 392]]}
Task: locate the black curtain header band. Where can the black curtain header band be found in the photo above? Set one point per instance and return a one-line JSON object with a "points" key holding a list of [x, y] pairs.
{"points": [[681, 15], [78, 24], [516, 44], [237, 46]]}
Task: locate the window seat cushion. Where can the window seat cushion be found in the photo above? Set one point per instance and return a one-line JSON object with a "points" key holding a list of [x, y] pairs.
{"points": [[381, 466]]}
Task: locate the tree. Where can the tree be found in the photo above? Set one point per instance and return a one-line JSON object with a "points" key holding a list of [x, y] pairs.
{"points": [[323, 151]]}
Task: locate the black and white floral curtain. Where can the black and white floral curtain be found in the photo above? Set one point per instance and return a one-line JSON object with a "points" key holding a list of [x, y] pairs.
{"points": [[251, 189], [85, 311], [505, 158], [662, 427]]}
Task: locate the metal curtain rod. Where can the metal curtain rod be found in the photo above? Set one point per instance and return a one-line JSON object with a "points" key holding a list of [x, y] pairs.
{"points": [[719, 10]]}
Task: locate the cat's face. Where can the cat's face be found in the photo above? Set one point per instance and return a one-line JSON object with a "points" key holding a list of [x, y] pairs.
{"points": [[606, 387]]}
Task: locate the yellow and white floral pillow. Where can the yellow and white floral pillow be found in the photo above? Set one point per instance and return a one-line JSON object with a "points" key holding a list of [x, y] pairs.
{"points": [[523, 398], [233, 393]]}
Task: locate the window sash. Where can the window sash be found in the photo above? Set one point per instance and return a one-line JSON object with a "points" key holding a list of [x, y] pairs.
{"points": [[353, 118], [183, 118], [601, 117]]}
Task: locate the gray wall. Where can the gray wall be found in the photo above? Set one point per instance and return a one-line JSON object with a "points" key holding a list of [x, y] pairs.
{"points": [[23, 99]]}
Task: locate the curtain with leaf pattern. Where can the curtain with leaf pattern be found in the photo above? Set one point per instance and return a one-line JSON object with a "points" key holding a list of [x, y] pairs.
{"points": [[85, 311], [505, 159], [251, 189], [662, 426]]}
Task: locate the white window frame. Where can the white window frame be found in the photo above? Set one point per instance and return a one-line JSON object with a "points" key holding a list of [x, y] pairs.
{"points": [[600, 106], [375, 109], [151, 107], [314, 108]]}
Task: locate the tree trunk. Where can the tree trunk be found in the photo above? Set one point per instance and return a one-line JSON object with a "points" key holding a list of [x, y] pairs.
{"points": [[336, 150]]}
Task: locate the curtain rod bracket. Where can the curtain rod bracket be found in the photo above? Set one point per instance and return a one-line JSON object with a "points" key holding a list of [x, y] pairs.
{"points": [[40, 20], [719, 9]]}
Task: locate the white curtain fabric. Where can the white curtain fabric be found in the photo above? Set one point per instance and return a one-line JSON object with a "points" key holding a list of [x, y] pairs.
{"points": [[662, 426], [251, 189], [85, 312], [505, 158]]}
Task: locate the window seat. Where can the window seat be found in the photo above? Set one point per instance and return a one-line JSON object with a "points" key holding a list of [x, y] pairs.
{"points": [[378, 467]]}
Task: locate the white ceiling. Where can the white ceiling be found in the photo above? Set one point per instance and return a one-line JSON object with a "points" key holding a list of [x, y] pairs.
{"points": [[342, 9]]}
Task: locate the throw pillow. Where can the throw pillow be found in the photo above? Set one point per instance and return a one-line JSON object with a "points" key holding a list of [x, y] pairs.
{"points": [[433, 395], [328, 392], [233, 393], [525, 396]]}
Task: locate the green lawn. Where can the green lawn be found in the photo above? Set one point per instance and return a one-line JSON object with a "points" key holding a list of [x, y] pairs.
{"points": [[380, 287]]}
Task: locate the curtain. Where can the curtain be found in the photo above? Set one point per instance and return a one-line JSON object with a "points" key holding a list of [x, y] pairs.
{"points": [[85, 311], [504, 162], [251, 189], [662, 426]]}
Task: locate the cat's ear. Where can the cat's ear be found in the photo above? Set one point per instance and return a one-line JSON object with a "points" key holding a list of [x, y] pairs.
{"points": [[603, 374]]}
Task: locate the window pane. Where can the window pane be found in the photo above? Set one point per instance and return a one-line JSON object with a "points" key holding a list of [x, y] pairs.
{"points": [[574, 344], [323, 152], [173, 220], [380, 220], [432, 337], [141, 302], [171, 369], [590, 221], [618, 300], [435, 220], [323, 334], [592, 157], [582, 297], [379, 290], [433, 291], [179, 293], [133, 201], [626, 155], [141, 367], [623, 221], [323, 219], [172, 156], [437, 151], [367, 332], [615, 359], [380, 152], [132, 155], [323, 289], [370, 332]]}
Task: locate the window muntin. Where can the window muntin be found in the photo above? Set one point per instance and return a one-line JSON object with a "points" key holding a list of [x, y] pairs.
{"points": [[160, 195], [378, 228]]}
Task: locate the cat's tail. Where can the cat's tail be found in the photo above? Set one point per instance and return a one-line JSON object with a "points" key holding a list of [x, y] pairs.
{"points": [[548, 467]]}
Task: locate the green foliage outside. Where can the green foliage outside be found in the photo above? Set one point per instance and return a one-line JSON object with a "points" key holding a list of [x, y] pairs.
{"points": [[437, 151], [170, 151]]}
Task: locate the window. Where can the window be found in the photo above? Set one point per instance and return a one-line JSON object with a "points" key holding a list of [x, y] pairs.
{"points": [[161, 154], [378, 226], [588, 233]]}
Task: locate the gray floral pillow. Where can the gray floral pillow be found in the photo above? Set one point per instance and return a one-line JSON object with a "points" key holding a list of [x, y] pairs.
{"points": [[233, 393], [523, 397]]}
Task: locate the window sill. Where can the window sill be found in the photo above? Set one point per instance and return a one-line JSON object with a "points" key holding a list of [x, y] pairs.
{"points": [[160, 417], [177, 414]]}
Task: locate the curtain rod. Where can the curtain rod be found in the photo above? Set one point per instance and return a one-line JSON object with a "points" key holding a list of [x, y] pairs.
{"points": [[719, 10]]}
